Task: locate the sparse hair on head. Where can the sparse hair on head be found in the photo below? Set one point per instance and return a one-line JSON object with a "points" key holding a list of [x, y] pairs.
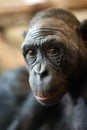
{"points": [[57, 13]]}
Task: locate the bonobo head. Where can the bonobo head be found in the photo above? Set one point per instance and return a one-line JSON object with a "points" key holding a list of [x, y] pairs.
{"points": [[51, 51]]}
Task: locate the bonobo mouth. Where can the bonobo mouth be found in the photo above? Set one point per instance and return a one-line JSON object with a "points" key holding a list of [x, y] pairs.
{"points": [[53, 98]]}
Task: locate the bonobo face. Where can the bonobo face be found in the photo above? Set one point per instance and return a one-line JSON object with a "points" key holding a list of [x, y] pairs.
{"points": [[47, 54]]}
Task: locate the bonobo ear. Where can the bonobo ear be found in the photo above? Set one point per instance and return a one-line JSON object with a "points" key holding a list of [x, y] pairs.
{"points": [[24, 33], [83, 29]]}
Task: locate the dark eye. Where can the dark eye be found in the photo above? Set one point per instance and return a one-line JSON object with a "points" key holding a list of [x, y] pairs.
{"points": [[52, 51], [31, 52], [31, 56]]}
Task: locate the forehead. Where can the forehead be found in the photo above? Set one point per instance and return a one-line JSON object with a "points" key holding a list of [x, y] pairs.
{"points": [[48, 23], [47, 29]]}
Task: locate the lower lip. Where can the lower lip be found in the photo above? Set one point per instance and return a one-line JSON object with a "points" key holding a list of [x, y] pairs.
{"points": [[45, 98], [41, 98]]}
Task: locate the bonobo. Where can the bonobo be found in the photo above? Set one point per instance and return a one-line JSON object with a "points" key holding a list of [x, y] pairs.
{"points": [[55, 51]]}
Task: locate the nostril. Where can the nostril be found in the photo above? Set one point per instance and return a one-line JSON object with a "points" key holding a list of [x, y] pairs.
{"points": [[41, 70], [44, 74]]}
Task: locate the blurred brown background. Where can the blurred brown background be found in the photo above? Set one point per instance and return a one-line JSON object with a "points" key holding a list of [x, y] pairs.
{"points": [[14, 19]]}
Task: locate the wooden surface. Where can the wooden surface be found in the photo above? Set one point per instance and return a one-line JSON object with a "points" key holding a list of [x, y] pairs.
{"points": [[9, 57], [18, 13], [70, 4]]}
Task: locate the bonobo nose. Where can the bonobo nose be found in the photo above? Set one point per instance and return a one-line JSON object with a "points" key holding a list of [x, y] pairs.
{"points": [[41, 70]]}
